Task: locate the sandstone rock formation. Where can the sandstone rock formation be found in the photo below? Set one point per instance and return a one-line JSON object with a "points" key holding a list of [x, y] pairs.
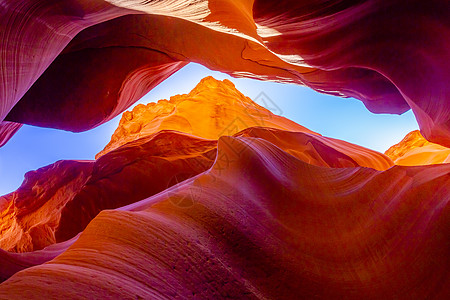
{"points": [[58, 201], [265, 212], [415, 150], [212, 109], [179, 204], [76, 64], [267, 226], [11, 262], [7, 130]]}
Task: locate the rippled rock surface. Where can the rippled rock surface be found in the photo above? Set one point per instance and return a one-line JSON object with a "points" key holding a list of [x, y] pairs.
{"points": [[265, 212]]}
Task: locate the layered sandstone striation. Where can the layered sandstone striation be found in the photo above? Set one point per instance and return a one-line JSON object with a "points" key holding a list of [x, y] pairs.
{"points": [[57, 202], [265, 212], [7, 130], [30, 214], [180, 204], [76, 64], [12, 262], [263, 224], [415, 150]]}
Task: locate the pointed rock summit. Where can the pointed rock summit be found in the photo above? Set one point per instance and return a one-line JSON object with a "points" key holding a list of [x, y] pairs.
{"points": [[415, 150], [212, 109]]}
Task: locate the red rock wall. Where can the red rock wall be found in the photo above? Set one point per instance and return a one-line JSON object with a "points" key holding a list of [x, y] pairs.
{"points": [[263, 224], [270, 212], [7, 130], [100, 57]]}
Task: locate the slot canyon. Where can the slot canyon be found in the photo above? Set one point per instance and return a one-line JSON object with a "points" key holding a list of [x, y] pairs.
{"points": [[209, 194]]}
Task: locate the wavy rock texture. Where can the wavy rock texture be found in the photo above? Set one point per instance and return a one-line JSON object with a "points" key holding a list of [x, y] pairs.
{"points": [[271, 212], [101, 56], [263, 224], [7, 130], [415, 150], [30, 214], [58, 201], [319, 150], [11, 263], [267, 213]]}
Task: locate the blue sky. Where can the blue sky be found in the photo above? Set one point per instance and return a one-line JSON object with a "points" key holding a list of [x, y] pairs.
{"points": [[346, 119]]}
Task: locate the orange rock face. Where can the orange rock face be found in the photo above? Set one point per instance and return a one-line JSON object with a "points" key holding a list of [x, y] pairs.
{"points": [[212, 109], [30, 214], [11, 263], [220, 109], [267, 212], [415, 150], [57, 202]]}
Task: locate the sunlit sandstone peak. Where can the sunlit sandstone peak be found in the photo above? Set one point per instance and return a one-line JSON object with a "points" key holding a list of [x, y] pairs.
{"points": [[212, 109], [216, 108], [415, 150]]}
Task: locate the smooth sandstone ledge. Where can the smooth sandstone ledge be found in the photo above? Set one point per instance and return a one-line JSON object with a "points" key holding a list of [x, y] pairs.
{"points": [[58, 201], [263, 224]]}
